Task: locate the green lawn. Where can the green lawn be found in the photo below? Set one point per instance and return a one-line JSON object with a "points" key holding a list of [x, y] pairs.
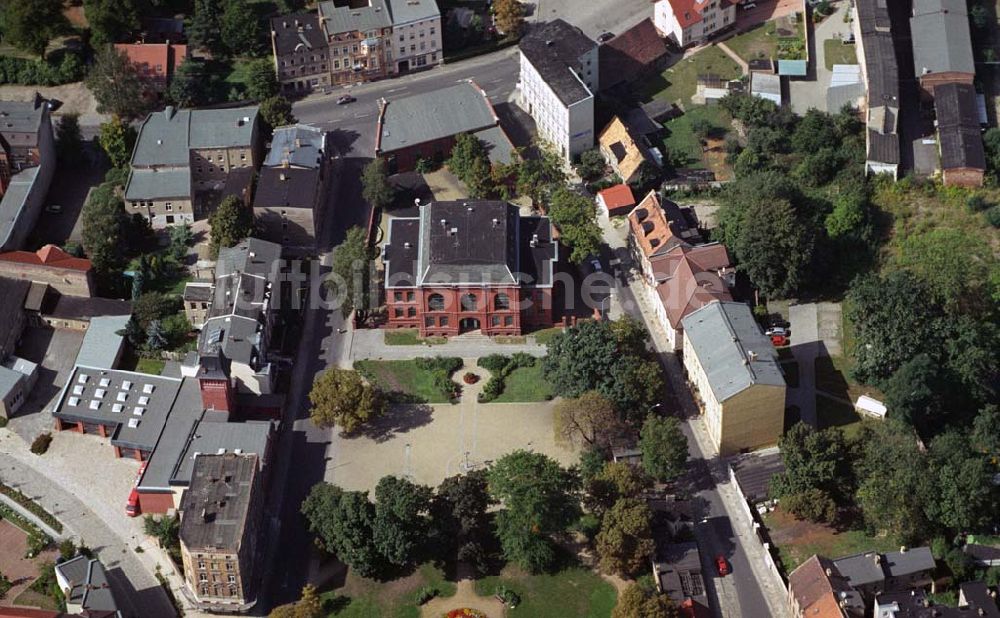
{"points": [[574, 591], [410, 336], [152, 366], [406, 380], [367, 598], [760, 42], [545, 336], [797, 540], [681, 140], [835, 51], [678, 83], [526, 384]]}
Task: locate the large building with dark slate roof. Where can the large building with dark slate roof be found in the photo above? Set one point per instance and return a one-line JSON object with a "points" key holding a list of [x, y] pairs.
{"points": [[880, 70], [963, 158], [465, 266]]}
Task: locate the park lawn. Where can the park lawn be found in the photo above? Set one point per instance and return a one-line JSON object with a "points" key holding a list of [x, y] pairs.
{"points": [[410, 336], [835, 51], [681, 141], [573, 591], [526, 384], [366, 598], [545, 336], [678, 83], [405, 378], [30, 598], [797, 540], [759, 42]]}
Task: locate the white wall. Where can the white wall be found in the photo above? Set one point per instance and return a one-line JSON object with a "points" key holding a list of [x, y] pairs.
{"points": [[423, 36], [569, 129], [698, 377]]}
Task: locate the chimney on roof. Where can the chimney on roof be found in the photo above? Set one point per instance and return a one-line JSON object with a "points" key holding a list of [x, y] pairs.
{"points": [[168, 111], [534, 240], [548, 43], [752, 355], [496, 222], [416, 202], [282, 176], [902, 549], [829, 572]]}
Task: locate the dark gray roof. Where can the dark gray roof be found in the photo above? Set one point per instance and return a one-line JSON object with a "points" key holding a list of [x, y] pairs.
{"points": [[292, 187], [882, 71], [299, 145], [371, 16], [298, 29], [680, 574], [9, 379], [554, 49], [982, 553], [158, 183], [978, 595], [166, 138], [13, 202], [253, 256], [136, 403], [406, 11], [83, 308], [536, 265], [91, 588], [222, 128], [958, 127], [408, 121], [198, 291], [184, 416], [731, 348], [871, 567], [102, 343], [914, 560], [13, 293], [22, 117], [754, 473], [915, 604], [861, 569], [210, 438], [498, 146], [216, 504], [401, 252], [941, 40]]}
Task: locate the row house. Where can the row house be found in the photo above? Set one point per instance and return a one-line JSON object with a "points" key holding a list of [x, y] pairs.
{"points": [[688, 22], [467, 266]]}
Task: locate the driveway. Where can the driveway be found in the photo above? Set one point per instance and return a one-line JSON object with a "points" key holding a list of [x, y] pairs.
{"points": [[54, 351], [811, 94], [815, 332]]}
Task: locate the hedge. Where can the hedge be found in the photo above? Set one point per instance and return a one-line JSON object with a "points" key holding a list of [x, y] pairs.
{"points": [[60, 68], [500, 366], [33, 531], [33, 507]]}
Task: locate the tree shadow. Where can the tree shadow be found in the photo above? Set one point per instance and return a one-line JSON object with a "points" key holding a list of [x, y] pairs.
{"points": [[399, 419], [342, 140]]}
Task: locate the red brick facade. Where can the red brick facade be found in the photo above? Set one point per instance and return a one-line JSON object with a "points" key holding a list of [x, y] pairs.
{"points": [[155, 502], [932, 80], [447, 311], [405, 159], [963, 177], [216, 394]]}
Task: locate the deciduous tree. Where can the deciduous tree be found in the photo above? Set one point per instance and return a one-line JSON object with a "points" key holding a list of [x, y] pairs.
{"points": [[576, 218], [814, 460], [276, 111], [964, 496], [508, 15], [353, 268], [343, 522], [460, 518], [341, 397], [615, 481], [242, 29], [117, 139], [69, 140], [625, 542], [231, 222], [31, 25], [591, 165], [401, 523], [591, 417], [204, 26], [111, 21], [641, 600], [116, 84], [375, 186], [664, 447], [309, 605]]}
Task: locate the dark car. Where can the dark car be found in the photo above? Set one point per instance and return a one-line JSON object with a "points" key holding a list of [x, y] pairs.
{"points": [[345, 99], [607, 36]]}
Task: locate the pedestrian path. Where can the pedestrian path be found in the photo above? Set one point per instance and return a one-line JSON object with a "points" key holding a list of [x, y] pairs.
{"points": [[370, 344]]}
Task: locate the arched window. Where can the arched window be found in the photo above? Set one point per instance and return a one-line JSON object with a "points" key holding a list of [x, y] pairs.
{"points": [[468, 302], [435, 302], [501, 302]]}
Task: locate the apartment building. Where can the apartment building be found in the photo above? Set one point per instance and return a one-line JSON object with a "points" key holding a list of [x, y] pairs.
{"points": [[180, 153], [27, 164], [558, 78], [687, 22], [359, 40], [301, 53], [219, 533], [416, 35]]}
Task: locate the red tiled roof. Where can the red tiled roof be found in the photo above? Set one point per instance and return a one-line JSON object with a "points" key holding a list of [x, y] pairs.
{"points": [[626, 56], [158, 60], [618, 196], [49, 255], [686, 12], [815, 590], [691, 282]]}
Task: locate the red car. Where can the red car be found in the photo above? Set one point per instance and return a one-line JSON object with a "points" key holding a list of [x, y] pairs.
{"points": [[132, 508], [721, 565]]}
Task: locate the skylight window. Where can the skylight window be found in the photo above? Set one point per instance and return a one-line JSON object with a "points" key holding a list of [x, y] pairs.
{"points": [[94, 404], [117, 408], [122, 395], [147, 388], [139, 411], [99, 393], [74, 401]]}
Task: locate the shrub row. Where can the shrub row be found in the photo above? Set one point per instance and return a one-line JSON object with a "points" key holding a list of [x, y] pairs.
{"points": [[37, 540], [36, 509], [500, 366], [52, 72]]}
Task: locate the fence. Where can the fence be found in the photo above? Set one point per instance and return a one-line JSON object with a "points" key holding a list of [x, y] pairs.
{"points": [[760, 533]]}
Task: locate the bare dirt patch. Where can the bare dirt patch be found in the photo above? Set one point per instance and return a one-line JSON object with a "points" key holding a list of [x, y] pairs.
{"points": [[75, 97]]}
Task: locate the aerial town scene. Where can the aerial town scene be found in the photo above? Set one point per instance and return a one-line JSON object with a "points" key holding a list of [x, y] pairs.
{"points": [[500, 308]]}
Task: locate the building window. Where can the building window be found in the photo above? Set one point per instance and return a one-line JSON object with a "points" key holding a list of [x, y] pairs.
{"points": [[411, 312], [232, 579], [201, 565], [468, 302], [435, 302], [398, 297], [168, 206], [444, 321], [170, 219], [409, 297], [429, 322], [494, 320], [399, 313], [501, 302], [508, 320], [203, 577]]}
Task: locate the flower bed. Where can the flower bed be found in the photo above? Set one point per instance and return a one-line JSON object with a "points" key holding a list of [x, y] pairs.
{"points": [[465, 612], [470, 378], [35, 508]]}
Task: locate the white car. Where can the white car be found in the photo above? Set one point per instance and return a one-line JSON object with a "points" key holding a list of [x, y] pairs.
{"points": [[776, 331]]}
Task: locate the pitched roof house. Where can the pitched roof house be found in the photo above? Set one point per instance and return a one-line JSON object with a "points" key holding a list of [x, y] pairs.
{"points": [[942, 45], [817, 590], [624, 151], [631, 54], [617, 200], [156, 63], [963, 158]]}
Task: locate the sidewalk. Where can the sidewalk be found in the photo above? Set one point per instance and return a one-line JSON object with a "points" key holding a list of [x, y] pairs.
{"points": [[370, 344]]}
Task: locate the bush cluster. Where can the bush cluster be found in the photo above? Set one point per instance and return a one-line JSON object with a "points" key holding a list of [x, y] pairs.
{"points": [[41, 443], [52, 72], [500, 366], [36, 509]]}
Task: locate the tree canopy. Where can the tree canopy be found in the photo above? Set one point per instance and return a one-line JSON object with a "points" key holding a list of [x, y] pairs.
{"points": [[375, 186], [117, 139], [664, 447], [116, 84], [204, 26], [576, 217], [340, 397], [625, 541], [276, 111], [353, 269], [231, 223], [111, 21], [31, 25], [343, 522], [242, 29], [591, 418], [401, 523], [461, 521]]}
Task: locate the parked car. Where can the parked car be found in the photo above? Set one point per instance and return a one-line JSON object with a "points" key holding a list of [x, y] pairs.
{"points": [[605, 37], [595, 264], [779, 341], [721, 565], [132, 508], [345, 99], [776, 330], [54, 209]]}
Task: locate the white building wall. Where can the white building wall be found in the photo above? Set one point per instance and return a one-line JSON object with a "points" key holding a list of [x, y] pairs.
{"points": [[569, 129], [417, 43], [581, 127], [712, 409], [718, 14]]}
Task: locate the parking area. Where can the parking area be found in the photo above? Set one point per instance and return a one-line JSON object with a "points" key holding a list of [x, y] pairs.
{"points": [[54, 351], [68, 192]]}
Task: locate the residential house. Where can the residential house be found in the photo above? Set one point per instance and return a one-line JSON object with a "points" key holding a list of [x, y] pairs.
{"points": [[983, 555], [235, 338], [27, 164], [616, 201], [301, 52], [752, 474], [688, 22], [465, 266], [17, 378], [817, 590], [292, 187], [559, 75], [359, 37], [86, 587], [942, 45], [974, 601], [735, 370], [221, 519], [631, 55], [51, 265], [872, 29], [963, 158], [425, 126], [677, 573], [416, 35], [766, 86], [197, 299], [624, 151], [155, 63], [181, 153], [47, 307], [872, 573]]}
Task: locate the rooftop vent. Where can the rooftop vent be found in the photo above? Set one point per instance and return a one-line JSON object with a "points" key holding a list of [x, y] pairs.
{"points": [[77, 390], [133, 423], [496, 222], [127, 384], [122, 396], [406, 245], [138, 411], [95, 404], [117, 408], [105, 382], [82, 378], [147, 388], [74, 401]]}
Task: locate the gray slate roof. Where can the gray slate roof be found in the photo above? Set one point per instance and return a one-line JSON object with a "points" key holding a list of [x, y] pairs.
{"points": [[102, 343], [468, 247], [498, 145], [153, 184], [22, 117], [9, 379], [345, 19], [216, 503], [222, 128], [288, 36], [90, 402], [553, 49], [425, 117], [723, 335], [212, 437], [301, 145], [754, 473], [13, 201], [286, 188], [91, 588], [184, 416], [166, 138], [405, 11], [958, 127], [941, 39]]}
